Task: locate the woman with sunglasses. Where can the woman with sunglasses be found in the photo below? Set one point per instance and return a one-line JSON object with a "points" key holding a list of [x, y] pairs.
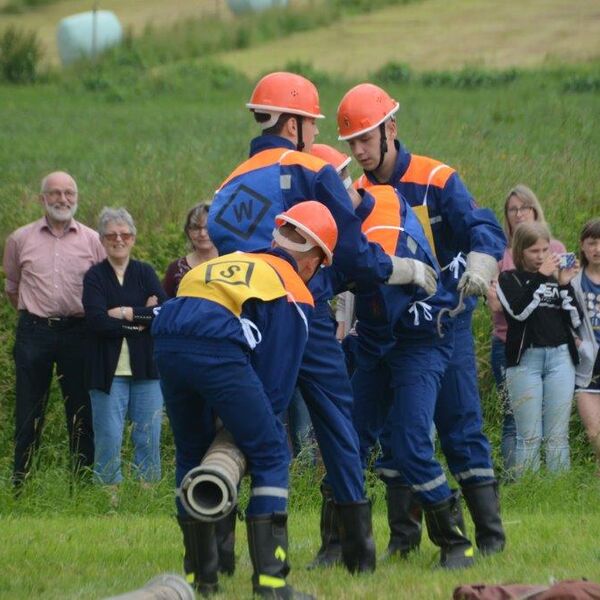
{"points": [[119, 296], [521, 206]]}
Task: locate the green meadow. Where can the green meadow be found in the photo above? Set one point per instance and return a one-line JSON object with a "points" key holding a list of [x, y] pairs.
{"points": [[156, 136]]}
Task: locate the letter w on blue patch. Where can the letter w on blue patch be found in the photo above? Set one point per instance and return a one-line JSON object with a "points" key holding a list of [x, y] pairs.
{"points": [[244, 211]]}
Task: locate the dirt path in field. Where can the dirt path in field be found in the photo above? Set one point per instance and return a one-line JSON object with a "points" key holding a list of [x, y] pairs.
{"points": [[442, 34]]}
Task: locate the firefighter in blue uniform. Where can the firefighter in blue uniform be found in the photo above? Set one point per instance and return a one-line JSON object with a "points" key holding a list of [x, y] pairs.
{"points": [[215, 346], [467, 241], [400, 360], [277, 175]]}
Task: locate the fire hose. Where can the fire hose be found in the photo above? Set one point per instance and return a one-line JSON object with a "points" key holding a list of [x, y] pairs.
{"points": [[208, 492], [164, 587], [451, 312]]}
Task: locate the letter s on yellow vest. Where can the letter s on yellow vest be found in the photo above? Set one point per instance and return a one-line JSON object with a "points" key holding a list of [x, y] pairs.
{"points": [[232, 279]]}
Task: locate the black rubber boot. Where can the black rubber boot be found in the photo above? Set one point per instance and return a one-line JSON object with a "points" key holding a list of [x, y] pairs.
{"points": [[446, 529], [268, 544], [404, 513], [330, 552], [356, 536], [483, 502], [225, 532], [201, 559]]}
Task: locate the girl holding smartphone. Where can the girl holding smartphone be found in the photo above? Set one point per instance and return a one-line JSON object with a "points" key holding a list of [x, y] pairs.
{"points": [[541, 352], [521, 205]]}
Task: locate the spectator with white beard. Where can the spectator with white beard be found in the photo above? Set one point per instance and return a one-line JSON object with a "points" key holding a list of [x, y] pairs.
{"points": [[44, 263]]}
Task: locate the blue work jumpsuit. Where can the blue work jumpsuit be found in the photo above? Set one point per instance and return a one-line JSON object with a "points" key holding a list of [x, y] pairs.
{"points": [[458, 226], [242, 214]]}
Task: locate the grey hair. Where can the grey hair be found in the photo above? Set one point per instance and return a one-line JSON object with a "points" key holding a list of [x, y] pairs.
{"points": [[45, 180], [115, 215]]}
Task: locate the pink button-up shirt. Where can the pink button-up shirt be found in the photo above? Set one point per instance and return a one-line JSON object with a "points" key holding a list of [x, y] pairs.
{"points": [[47, 271]]}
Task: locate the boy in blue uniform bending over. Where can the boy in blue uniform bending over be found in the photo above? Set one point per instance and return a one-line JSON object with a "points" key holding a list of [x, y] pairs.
{"points": [[230, 346]]}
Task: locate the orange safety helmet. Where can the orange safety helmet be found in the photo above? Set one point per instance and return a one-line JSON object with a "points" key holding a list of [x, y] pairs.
{"points": [[362, 109], [282, 92], [314, 222], [338, 160]]}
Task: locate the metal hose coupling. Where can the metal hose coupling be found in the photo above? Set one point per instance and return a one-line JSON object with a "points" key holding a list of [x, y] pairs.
{"points": [[208, 492], [163, 587]]}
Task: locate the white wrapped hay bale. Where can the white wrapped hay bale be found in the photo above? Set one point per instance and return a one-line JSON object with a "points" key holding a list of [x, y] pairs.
{"points": [[245, 6], [87, 34]]}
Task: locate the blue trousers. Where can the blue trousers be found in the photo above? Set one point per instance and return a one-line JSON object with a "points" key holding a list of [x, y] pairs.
{"points": [[395, 402], [540, 389], [198, 387], [458, 416], [325, 386], [141, 401]]}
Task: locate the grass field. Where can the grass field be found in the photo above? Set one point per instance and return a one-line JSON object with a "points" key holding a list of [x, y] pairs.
{"points": [[156, 140], [156, 144], [82, 549]]}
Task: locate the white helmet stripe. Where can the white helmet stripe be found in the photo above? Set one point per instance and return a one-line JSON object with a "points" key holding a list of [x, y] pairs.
{"points": [[265, 108]]}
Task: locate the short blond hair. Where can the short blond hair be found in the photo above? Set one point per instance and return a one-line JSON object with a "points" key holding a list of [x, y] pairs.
{"points": [[528, 198], [525, 236]]}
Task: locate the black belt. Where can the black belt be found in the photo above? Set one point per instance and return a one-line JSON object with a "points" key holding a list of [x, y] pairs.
{"points": [[56, 322]]}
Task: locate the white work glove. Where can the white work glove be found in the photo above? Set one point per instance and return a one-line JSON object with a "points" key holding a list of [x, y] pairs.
{"points": [[477, 278], [409, 270]]}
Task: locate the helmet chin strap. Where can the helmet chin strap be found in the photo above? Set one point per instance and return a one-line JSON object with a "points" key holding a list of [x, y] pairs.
{"points": [[383, 148], [300, 143], [288, 244]]}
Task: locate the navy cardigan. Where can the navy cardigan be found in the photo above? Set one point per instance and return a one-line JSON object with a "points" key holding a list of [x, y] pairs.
{"points": [[101, 292]]}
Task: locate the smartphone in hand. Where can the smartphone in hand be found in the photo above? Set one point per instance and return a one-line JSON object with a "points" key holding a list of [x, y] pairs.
{"points": [[566, 260]]}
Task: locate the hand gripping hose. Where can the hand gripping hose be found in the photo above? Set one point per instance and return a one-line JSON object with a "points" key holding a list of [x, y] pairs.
{"points": [[452, 312]]}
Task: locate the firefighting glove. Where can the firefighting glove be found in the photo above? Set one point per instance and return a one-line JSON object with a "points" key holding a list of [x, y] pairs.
{"points": [[481, 269], [409, 270]]}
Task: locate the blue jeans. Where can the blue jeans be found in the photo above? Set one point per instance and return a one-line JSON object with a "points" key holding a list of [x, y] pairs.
{"points": [[140, 400], [540, 390], [509, 429]]}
